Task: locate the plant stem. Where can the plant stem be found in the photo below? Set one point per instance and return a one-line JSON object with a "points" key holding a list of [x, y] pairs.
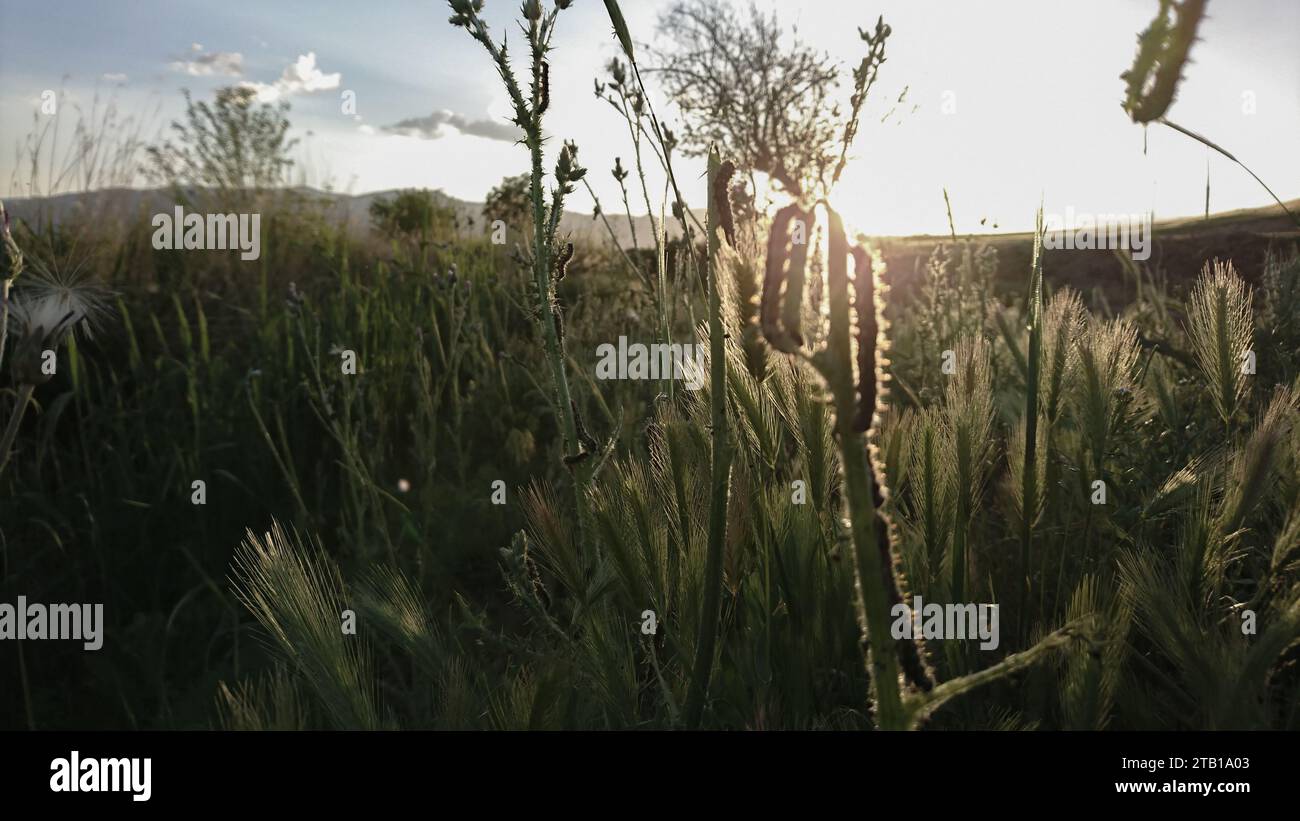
{"points": [[528, 114], [961, 523], [631, 266], [1029, 498], [15, 419], [1206, 142], [720, 474], [873, 598], [921, 706]]}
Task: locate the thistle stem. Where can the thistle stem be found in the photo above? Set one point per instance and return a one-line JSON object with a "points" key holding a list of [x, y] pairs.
{"points": [[873, 598]]}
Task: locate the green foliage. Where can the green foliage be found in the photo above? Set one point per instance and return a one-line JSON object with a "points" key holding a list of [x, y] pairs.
{"points": [[510, 203], [231, 144], [412, 215], [471, 623]]}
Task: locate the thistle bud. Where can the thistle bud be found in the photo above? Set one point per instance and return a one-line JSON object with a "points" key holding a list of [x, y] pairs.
{"points": [[567, 170], [616, 72], [464, 12]]}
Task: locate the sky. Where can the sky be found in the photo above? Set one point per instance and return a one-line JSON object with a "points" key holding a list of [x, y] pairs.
{"points": [[1009, 102]]}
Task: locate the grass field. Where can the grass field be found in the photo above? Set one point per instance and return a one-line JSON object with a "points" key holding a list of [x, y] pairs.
{"points": [[374, 478]]}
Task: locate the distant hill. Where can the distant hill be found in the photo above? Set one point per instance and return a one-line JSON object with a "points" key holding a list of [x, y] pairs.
{"points": [[354, 210], [1181, 246]]}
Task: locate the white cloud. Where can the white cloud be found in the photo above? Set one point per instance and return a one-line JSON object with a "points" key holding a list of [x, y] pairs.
{"points": [[205, 64], [114, 78], [435, 126], [300, 77]]}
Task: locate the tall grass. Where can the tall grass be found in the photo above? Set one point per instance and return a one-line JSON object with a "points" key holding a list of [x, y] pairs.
{"points": [[1221, 328], [770, 522]]}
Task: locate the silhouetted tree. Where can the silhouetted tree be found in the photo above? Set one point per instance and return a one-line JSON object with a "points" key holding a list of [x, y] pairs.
{"points": [[767, 99], [510, 202], [231, 144], [413, 215]]}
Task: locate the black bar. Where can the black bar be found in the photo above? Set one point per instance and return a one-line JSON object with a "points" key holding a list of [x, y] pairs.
{"points": [[205, 770]]}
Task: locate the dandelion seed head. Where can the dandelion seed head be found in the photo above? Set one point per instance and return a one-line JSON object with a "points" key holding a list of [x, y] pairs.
{"points": [[55, 302]]}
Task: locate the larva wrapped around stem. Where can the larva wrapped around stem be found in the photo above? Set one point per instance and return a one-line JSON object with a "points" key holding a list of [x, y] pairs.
{"points": [[787, 254]]}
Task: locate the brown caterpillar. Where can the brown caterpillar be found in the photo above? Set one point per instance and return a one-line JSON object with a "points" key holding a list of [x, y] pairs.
{"points": [[1162, 48], [780, 250], [560, 267], [544, 89], [722, 200], [562, 260], [588, 443], [868, 336]]}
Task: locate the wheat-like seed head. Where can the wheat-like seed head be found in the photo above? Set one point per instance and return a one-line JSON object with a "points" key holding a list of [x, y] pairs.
{"points": [[297, 593], [968, 419], [1221, 326], [1063, 321], [931, 502], [1107, 394], [272, 701], [1254, 464], [1016, 447]]}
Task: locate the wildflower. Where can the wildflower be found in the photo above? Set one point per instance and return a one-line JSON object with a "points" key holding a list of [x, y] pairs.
{"points": [[43, 314], [465, 12], [617, 73], [567, 170], [40, 317]]}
